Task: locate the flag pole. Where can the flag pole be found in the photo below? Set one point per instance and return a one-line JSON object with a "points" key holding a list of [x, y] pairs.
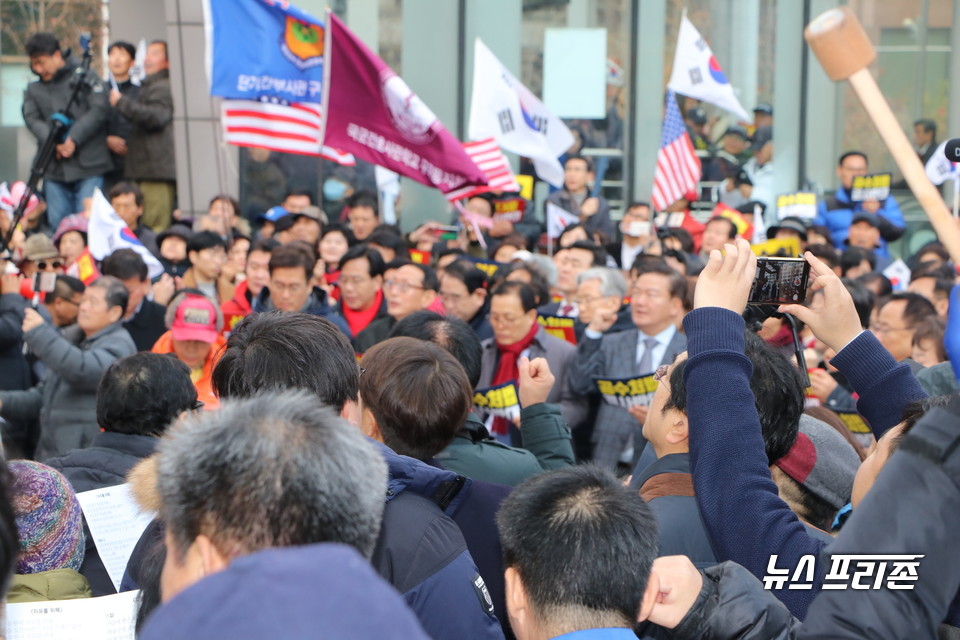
{"points": [[956, 193]]}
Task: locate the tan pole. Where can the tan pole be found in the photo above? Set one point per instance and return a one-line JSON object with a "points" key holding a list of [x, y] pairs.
{"points": [[843, 49]]}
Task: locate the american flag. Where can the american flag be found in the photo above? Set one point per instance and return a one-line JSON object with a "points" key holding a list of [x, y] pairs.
{"points": [[678, 168], [277, 126], [495, 166]]}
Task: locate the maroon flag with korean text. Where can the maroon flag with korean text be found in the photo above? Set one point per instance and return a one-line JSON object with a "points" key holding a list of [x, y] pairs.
{"points": [[373, 114]]}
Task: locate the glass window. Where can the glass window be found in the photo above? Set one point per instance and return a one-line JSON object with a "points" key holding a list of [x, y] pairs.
{"points": [[602, 139]]}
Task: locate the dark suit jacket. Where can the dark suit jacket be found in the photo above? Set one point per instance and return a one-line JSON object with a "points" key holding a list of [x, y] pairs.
{"points": [[148, 325], [560, 355], [614, 356]]}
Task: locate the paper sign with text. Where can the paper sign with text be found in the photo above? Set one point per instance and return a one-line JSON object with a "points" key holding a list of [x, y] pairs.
{"points": [[875, 186], [858, 427], [501, 401], [116, 524], [489, 267], [559, 327], [797, 205], [782, 248], [510, 209], [108, 617], [628, 392]]}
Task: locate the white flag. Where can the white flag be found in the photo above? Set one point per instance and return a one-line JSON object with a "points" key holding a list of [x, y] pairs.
{"points": [[697, 74], [558, 219], [759, 226], [107, 232], [507, 111], [939, 169], [137, 72]]}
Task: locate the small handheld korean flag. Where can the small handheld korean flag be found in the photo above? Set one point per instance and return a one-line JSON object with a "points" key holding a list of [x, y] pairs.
{"points": [[697, 74], [899, 274]]}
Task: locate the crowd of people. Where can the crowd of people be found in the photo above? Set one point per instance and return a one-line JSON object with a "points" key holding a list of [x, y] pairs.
{"points": [[452, 434]]}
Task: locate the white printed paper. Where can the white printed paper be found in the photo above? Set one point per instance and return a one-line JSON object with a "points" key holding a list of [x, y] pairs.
{"points": [[116, 524], [105, 618]]}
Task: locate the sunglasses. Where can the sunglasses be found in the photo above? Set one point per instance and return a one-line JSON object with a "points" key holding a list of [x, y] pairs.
{"points": [[42, 265]]}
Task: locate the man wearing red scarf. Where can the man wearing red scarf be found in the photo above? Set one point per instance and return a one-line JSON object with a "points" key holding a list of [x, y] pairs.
{"points": [[513, 316]]}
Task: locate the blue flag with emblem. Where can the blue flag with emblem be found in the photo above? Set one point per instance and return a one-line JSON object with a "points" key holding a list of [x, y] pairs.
{"points": [[265, 50]]}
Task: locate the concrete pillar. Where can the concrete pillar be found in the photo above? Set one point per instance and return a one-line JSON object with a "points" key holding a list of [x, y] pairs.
{"points": [[824, 110], [788, 54], [205, 165], [744, 50], [647, 91]]}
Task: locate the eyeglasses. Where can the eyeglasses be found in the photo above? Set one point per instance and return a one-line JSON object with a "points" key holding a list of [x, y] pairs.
{"points": [[661, 372], [400, 286], [42, 265], [590, 300]]}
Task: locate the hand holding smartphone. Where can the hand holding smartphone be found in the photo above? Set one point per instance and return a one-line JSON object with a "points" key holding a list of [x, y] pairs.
{"points": [[780, 281]]}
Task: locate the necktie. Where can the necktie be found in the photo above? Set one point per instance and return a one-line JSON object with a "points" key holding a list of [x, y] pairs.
{"points": [[646, 364], [566, 310]]}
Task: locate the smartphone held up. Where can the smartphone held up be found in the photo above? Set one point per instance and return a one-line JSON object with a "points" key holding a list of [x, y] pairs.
{"points": [[780, 281]]}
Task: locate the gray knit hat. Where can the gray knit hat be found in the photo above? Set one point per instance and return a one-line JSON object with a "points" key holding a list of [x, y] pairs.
{"points": [[822, 461]]}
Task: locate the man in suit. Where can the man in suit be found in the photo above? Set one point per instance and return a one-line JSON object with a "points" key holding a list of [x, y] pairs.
{"points": [[635, 230], [656, 307], [517, 334]]}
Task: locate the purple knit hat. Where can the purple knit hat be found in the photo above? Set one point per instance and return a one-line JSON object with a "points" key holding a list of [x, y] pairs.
{"points": [[49, 519]]}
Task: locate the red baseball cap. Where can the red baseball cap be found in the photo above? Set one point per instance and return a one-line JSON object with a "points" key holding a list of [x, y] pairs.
{"points": [[196, 319]]}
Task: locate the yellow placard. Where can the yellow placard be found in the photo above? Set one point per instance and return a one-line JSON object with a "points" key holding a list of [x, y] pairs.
{"points": [[526, 186], [782, 247]]}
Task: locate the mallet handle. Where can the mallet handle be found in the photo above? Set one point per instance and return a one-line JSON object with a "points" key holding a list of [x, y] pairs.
{"points": [[906, 158]]}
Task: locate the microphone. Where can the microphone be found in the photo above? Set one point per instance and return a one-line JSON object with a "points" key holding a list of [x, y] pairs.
{"points": [[952, 150]]}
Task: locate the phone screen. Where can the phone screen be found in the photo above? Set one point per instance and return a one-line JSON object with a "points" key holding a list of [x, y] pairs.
{"points": [[780, 281]]}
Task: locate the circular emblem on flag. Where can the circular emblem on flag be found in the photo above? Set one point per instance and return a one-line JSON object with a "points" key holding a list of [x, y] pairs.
{"points": [[716, 71], [410, 115]]}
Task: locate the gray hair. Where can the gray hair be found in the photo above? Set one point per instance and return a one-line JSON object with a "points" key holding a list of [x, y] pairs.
{"points": [[546, 267], [612, 282], [171, 313], [275, 470], [115, 293]]}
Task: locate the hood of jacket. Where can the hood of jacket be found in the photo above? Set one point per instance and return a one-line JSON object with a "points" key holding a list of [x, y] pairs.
{"points": [[442, 487], [56, 584]]}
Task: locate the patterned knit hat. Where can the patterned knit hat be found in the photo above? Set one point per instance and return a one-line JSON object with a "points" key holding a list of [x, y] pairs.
{"points": [[49, 519]]}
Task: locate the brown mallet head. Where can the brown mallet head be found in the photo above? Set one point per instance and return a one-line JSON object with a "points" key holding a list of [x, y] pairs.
{"points": [[840, 43]]}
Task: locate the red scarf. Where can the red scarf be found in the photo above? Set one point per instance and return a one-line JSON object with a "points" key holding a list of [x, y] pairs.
{"points": [[507, 369], [359, 319]]}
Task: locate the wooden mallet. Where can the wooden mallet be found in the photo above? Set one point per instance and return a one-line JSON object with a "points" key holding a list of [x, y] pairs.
{"points": [[843, 49]]}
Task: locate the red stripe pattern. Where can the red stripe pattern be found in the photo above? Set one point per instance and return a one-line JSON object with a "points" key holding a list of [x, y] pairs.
{"points": [[487, 155], [285, 128], [678, 167]]}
